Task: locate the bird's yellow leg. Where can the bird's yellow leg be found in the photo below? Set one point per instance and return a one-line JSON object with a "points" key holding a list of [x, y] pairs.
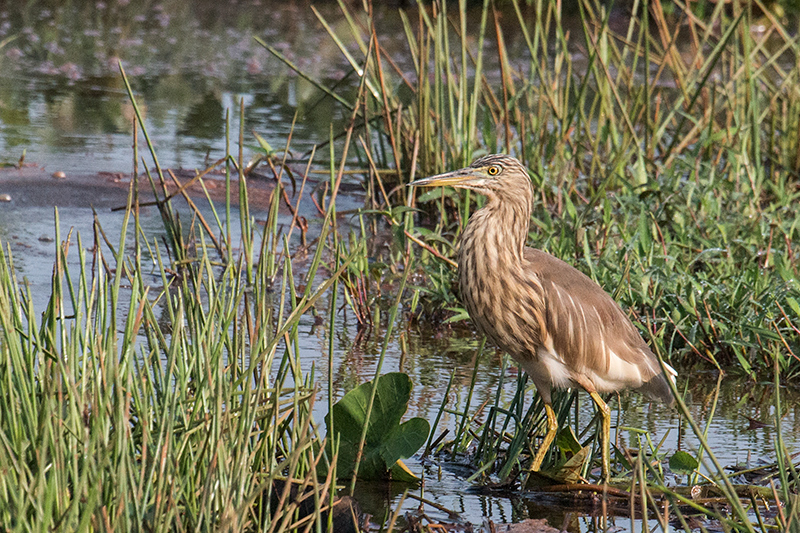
{"points": [[550, 436], [605, 438]]}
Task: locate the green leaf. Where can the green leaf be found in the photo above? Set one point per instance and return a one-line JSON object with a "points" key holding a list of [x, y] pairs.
{"points": [[404, 440], [644, 232], [435, 194], [460, 315], [682, 462], [567, 441], [386, 441], [268, 151], [639, 170], [794, 305], [400, 472], [570, 471]]}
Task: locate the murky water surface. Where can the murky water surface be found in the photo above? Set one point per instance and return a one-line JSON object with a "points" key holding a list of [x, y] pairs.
{"points": [[63, 104]]}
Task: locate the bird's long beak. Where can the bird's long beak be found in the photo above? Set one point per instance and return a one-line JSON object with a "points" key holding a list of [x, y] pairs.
{"points": [[456, 178]]}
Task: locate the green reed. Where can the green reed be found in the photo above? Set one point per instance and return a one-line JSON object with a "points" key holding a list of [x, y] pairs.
{"points": [[666, 154], [161, 386], [667, 170], [175, 400]]}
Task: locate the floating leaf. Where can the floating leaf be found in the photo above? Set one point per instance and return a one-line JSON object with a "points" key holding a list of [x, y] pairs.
{"points": [[400, 472]]}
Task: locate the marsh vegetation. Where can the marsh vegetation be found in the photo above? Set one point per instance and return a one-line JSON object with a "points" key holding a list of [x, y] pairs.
{"points": [[162, 384]]}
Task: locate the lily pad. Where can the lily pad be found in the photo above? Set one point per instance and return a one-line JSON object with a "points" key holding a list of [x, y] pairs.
{"points": [[387, 440]]}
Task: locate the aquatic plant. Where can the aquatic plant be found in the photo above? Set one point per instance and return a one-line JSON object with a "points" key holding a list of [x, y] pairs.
{"points": [[667, 169], [365, 424], [161, 387]]}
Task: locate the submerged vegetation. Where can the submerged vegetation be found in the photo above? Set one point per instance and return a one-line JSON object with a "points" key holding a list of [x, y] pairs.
{"points": [[161, 388]]}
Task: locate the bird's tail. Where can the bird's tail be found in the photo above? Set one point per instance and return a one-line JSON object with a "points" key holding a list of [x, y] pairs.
{"points": [[658, 388]]}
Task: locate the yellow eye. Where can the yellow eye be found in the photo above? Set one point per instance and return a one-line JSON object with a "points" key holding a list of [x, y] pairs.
{"points": [[494, 170]]}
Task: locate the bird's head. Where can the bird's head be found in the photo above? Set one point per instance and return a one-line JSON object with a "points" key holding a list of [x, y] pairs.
{"points": [[496, 176]]}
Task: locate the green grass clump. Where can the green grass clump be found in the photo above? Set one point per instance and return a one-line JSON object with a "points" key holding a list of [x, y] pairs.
{"points": [[666, 152], [166, 397], [666, 155]]}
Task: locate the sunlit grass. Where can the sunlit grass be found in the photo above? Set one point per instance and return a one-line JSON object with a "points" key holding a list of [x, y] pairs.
{"points": [[148, 398], [666, 156], [667, 171]]}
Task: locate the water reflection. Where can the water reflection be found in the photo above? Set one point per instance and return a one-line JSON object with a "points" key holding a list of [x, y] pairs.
{"points": [[725, 406], [62, 98], [205, 118]]}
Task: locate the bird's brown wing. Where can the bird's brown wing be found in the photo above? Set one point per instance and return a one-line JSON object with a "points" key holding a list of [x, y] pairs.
{"points": [[591, 334]]}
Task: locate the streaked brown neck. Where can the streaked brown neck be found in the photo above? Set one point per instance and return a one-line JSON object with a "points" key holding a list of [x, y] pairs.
{"points": [[496, 234], [490, 260]]}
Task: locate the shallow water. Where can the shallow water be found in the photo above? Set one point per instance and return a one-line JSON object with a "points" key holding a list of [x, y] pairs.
{"points": [[62, 102], [62, 98]]}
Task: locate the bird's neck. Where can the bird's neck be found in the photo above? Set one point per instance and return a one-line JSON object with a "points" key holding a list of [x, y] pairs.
{"points": [[496, 234]]}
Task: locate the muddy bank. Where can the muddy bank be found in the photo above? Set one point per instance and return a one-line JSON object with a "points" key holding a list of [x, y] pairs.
{"points": [[34, 186]]}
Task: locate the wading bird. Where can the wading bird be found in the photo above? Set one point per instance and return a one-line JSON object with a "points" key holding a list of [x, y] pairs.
{"points": [[561, 327]]}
